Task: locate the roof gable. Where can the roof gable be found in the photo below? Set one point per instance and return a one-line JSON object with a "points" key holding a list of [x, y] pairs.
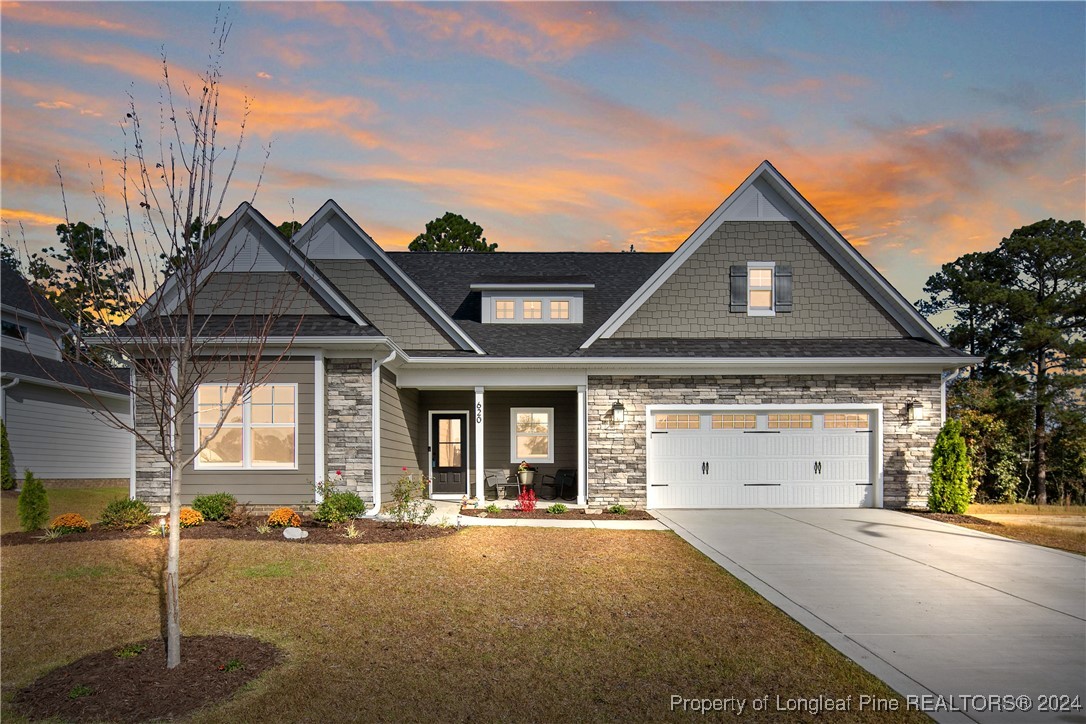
{"points": [[247, 243], [332, 235], [18, 296], [767, 196]]}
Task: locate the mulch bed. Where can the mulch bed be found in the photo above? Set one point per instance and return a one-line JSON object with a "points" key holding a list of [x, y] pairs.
{"points": [[541, 512], [955, 518], [369, 531], [105, 687]]}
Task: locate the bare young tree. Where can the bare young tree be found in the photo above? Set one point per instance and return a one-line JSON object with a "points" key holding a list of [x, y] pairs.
{"points": [[173, 340]]}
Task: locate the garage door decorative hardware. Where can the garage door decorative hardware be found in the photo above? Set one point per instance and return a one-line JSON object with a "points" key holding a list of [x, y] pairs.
{"points": [[818, 468], [761, 485]]}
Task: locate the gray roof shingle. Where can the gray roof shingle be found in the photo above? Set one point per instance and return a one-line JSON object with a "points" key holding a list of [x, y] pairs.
{"points": [[15, 292], [287, 325], [447, 279], [72, 374], [769, 348]]}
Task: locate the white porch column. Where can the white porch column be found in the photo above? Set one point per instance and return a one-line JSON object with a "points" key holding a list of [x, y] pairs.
{"points": [[582, 444], [477, 416], [318, 423]]}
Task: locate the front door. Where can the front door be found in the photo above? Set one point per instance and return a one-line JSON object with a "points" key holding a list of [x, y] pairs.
{"points": [[448, 447]]}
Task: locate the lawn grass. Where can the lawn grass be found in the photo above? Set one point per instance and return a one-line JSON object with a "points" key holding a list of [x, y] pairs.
{"points": [[493, 623], [1025, 509], [88, 502]]}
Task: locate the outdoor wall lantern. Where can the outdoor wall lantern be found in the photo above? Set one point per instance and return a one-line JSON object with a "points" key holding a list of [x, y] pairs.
{"points": [[914, 411], [618, 413]]}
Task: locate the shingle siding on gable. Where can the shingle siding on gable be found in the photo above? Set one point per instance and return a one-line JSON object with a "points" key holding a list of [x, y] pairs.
{"points": [[384, 305], [694, 301], [256, 293]]}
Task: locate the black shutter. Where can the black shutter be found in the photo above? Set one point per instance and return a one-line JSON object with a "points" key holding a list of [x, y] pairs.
{"points": [[782, 288], [739, 288]]}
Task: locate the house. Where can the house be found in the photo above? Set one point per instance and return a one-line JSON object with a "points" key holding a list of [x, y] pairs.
{"points": [[763, 363], [55, 409]]}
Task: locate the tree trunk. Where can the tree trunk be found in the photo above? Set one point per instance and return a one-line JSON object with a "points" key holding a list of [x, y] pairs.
{"points": [[1039, 431], [173, 555]]}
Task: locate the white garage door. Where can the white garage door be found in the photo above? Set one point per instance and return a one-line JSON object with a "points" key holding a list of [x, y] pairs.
{"points": [[778, 458]]}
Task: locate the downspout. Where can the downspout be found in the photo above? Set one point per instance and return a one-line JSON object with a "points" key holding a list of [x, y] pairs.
{"points": [[375, 436], [944, 379], [4, 397]]}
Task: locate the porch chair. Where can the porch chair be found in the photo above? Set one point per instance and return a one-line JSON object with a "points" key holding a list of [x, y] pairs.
{"points": [[499, 480], [563, 482]]}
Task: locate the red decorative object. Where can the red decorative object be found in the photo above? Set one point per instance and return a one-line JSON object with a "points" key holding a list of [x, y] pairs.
{"points": [[526, 501]]}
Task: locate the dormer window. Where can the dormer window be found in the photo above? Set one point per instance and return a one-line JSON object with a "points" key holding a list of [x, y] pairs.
{"points": [[532, 300]]}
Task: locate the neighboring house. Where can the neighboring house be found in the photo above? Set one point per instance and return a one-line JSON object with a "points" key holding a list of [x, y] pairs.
{"points": [[763, 363], [60, 436]]}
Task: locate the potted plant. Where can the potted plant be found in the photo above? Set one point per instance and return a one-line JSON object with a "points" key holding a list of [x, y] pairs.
{"points": [[525, 474]]}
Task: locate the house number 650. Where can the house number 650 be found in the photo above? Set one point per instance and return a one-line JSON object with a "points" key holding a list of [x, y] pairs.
{"points": [[479, 413]]}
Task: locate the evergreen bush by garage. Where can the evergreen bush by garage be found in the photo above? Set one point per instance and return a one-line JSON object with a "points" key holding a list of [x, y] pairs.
{"points": [[950, 471], [7, 466]]}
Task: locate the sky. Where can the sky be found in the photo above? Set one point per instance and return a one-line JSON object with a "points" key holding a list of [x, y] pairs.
{"points": [[920, 131]]}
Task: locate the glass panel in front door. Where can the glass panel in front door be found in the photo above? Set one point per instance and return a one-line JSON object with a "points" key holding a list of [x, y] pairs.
{"points": [[449, 445]]}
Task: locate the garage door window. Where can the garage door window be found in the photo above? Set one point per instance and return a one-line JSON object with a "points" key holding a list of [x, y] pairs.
{"points": [[845, 421], [678, 422], [790, 421], [734, 422]]}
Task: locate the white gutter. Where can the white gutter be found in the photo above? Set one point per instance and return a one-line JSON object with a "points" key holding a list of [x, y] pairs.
{"points": [[375, 436], [132, 440], [945, 379], [79, 388], [758, 362], [4, 396]]}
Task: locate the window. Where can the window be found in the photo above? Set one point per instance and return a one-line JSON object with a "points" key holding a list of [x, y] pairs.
{"points": [[734, 422], [532, 433], [678, 422], [505, 309], [11, 329], [533, 309], [789, 421], [845, 421], [258, 433], [759, 289], [560, 309]]}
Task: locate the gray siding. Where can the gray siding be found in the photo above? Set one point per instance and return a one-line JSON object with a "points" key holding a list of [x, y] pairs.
{"points": [[261, 486], [384, 304], [400, 442], [39, 340], [55, 435], [694, 301], [256, 293], [616, 455]]}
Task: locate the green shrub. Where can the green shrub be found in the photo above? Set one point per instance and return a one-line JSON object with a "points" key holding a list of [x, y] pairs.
{"points": [[124, 514], [557, 509], [215, 506], [950, 471], [7, 465], [338, 506], [492, 508], [618, 509], [33, 504], [407, 506]]}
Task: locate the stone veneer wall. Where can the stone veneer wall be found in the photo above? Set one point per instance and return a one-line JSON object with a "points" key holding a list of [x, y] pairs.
{"points": [[348, 430], [617, 456], [152, 472]]}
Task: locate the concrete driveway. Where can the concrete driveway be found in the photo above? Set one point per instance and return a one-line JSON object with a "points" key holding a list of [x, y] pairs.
{"points": [[932, 609]]}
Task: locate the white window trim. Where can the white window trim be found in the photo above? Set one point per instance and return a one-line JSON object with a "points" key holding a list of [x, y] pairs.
{"points": [[772, 311], [549, 457], [574, 300], [246, 428]]}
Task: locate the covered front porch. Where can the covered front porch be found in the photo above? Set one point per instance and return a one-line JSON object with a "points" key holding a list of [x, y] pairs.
{"points": [[470, 439]]}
